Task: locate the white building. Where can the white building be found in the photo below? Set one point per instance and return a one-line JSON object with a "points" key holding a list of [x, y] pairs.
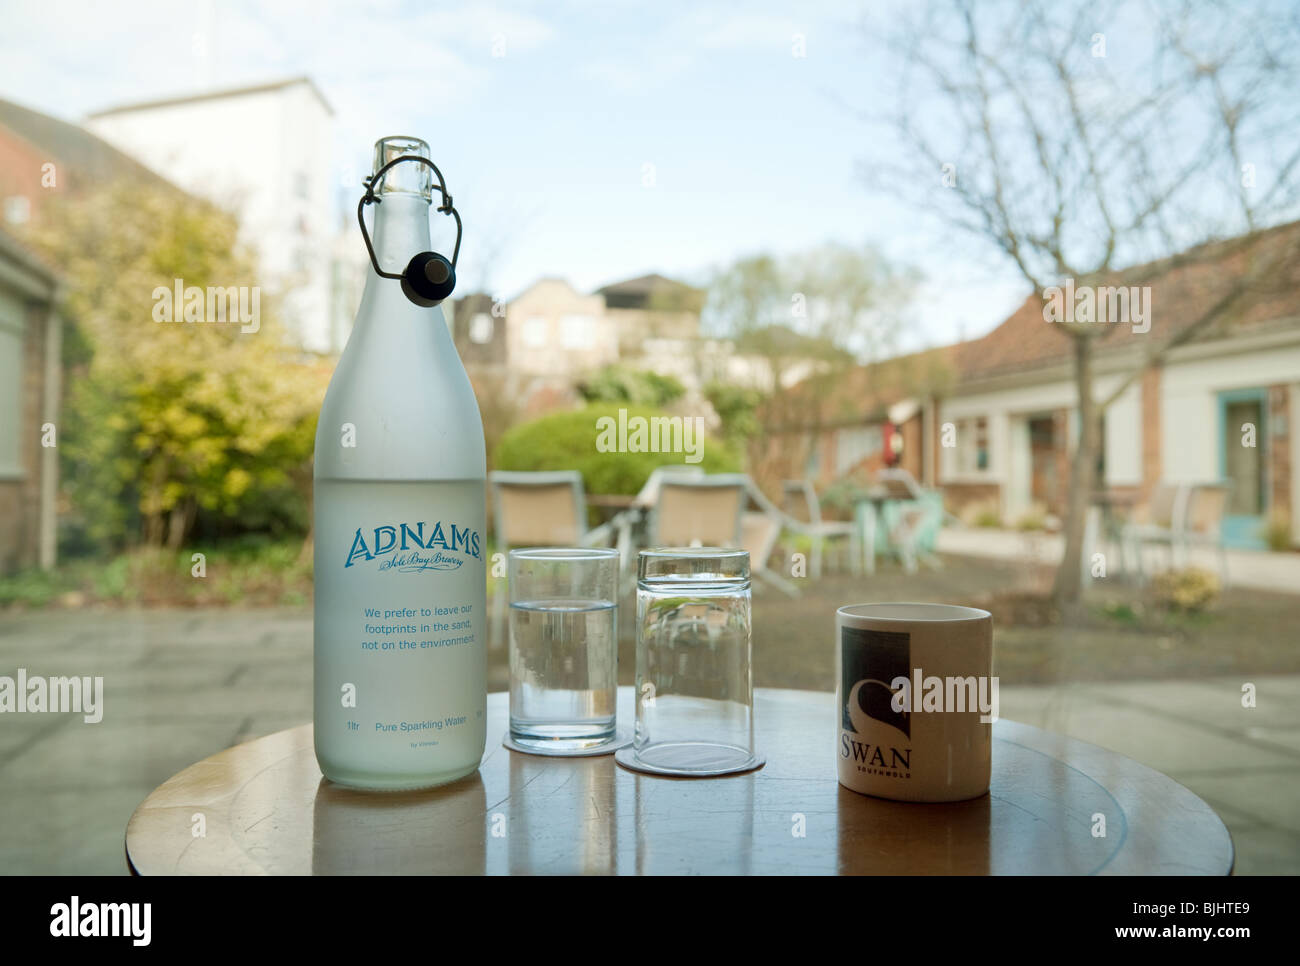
{"points": [[264, 153], [1223, 407]]}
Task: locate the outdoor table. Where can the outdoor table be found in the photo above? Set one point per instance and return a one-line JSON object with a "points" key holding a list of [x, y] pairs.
{"points": [[611, 505], [612, 501], [869, 515], [1116, 508], [266, 809]]}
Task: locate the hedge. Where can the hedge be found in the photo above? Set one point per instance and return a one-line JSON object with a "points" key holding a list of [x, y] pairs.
{"points": [[568, 441]]}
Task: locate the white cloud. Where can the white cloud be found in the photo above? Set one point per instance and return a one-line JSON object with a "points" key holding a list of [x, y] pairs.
{"points": [[70, 58], [714, 30]]}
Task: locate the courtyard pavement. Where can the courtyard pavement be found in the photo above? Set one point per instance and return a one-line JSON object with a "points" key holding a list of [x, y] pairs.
{"points": [[183, 684], [1258, 569]]}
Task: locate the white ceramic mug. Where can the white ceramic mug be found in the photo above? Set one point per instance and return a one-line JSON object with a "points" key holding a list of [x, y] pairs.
{"points": [[916, 700]]}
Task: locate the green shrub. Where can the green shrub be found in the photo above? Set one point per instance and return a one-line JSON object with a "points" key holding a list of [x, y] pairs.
{"points": [[1122, 612], [114, 580], [567, 441], [640, 387], [1191, 591], [982, 514], [31, 588], [251, 570], [737, 407], [1035, 518], [1277, 534]]}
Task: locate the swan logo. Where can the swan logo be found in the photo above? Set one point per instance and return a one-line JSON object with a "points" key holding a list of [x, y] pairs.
{"points": [[870, 661], [875, 732]]}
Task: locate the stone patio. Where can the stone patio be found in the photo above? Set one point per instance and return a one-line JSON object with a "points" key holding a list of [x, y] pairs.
{"points": [[182, 685], [1258, 569]]}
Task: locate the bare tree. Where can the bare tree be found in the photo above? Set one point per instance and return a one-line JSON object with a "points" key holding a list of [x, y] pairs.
{"points": [[1079, 138], [806, 319]]}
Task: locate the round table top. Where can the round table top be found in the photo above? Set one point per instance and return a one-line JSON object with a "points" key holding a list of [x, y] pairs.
{"points": [[265, 808]]}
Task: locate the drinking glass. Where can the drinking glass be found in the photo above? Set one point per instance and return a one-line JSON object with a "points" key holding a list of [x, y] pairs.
{"points": [[563, 648], [694, 684]]}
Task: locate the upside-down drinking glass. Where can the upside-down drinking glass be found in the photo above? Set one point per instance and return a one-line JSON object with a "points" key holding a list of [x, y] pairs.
{"points": [[694, 685]]}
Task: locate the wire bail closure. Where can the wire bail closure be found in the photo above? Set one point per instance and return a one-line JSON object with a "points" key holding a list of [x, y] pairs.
{"points": [[370, 182]]}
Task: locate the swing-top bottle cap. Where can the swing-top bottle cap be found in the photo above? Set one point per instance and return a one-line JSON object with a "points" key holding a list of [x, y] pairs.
{"points": [[403, 178]]}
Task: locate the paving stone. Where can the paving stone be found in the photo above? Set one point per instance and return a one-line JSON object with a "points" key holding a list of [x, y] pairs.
{"points": [[1265, 851], [1165, 745], [92, 757], [67, 832], [1271, 797], [182, 685], [1214, 702]]}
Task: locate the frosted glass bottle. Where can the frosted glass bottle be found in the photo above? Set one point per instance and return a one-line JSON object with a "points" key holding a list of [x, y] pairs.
{"points": [[400, 595]]}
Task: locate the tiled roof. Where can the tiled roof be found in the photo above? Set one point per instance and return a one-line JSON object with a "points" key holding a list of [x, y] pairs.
{"points": [[643, 285], [864, 393], [652, 292], [1182, 289], [218, 95], [84, 156]]}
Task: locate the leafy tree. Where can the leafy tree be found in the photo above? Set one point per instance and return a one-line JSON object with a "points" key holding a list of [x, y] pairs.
{"points": [[642, 387], [737, 408], [169, 425], [804, 321]]}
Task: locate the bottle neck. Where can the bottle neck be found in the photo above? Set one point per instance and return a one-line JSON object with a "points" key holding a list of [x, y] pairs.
{"points": [[401, 230]]}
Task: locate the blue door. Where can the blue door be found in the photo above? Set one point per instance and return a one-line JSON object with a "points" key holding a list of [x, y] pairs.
{"points": [[1243, 461]]}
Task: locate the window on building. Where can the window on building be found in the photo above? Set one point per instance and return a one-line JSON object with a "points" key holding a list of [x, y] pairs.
{"points": [[577, 332], [534, 332], [11, 384], [480, 328], [854, 445], [18, 210], [971, 454], [1101, 450]]}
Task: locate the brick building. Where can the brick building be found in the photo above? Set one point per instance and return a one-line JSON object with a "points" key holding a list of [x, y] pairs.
{"points": [[1223, 406], [41, 157], [30, 350]]}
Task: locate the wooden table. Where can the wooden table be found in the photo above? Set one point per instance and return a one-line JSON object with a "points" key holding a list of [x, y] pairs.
{"points": [[267, 809]]}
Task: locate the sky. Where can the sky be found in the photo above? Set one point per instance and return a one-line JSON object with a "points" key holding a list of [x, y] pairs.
{"points": [[590, 141]]}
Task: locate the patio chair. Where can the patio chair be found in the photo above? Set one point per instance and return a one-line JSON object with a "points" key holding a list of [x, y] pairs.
{"points": [[1203, 525], [628, 523], [1160, 520], [542, 510], [699, 512], [712, 511], [910, 526], [803, 505], [649, 493], [762, 531]]}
